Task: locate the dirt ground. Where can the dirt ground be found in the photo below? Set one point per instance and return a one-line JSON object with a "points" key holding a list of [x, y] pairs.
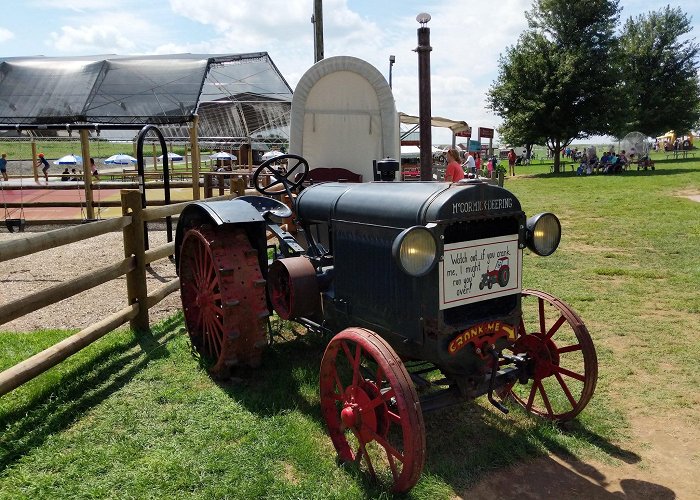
{"points": [[662, 461], [19, 277]]}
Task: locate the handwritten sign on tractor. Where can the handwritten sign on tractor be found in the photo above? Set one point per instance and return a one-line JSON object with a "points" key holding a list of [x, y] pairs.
{"points": [[477, 270]]}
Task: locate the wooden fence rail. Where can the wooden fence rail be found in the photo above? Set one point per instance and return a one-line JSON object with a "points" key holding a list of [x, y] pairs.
{"points": [[136, 258]]}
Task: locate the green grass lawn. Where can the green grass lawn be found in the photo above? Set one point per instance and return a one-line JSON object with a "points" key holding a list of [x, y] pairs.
{"points": [[138, 416]]}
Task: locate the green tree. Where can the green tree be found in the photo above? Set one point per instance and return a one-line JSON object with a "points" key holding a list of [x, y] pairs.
{"points": [[561, 80], [660, 64]]}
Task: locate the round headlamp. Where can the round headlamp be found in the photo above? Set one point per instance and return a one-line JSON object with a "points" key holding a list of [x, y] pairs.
{"points": [[543, 233], [415, 250]]}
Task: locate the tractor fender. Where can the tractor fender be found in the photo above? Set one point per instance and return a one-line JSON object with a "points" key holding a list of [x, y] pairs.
{"points": [[216, 213]]}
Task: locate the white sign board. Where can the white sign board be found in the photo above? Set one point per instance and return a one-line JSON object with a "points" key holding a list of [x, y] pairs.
{"points": [[472, 271]]}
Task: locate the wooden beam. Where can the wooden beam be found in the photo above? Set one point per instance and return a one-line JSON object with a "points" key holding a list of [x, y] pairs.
{"points": [[194, 143], [87, 172], [37, 300], [27, 244], [22, 372], [134, 244], [163, 291], [35, 169]]}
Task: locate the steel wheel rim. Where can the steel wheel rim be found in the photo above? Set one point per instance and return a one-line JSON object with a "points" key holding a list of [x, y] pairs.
{"points": [[565, 365], [371, 408], [201, 295], [223, 297]]}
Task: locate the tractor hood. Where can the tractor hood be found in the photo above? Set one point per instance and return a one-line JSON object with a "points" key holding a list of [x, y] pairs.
{"points": [[403, 204]]}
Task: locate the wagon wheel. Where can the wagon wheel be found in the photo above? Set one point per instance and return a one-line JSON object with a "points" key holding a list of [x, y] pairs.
{"points": [[371, 408], [564, 366], [223, 297]]}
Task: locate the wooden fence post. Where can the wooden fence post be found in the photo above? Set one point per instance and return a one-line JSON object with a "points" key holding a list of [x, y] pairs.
{"points": [[134, 244], [194, 144], [35, 169], [87, 173], [238, 186]]}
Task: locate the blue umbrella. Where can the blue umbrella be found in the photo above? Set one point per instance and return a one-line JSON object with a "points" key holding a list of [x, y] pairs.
{"points": [[120, 159], [69, 160]]}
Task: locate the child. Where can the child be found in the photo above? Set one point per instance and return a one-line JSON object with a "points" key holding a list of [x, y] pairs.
{"points": [[44, 166]]}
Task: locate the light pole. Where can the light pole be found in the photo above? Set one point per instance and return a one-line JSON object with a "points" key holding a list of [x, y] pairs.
{"points": [[392, 60]]}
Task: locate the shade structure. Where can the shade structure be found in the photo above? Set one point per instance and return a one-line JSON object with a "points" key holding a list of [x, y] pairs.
{"points": [[271, 154], [235, 96], [172, 157], [120, 159], [69, 160], [223, 155]]}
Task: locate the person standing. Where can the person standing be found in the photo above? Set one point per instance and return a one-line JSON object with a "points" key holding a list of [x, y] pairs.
{"points": [[44, 166], [471, 163], [511, 161], [3, 166], [93, 169], [453, 172]]}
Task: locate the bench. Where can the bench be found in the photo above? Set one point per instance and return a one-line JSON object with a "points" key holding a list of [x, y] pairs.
{"points": [[563, 167], [332, 174]]}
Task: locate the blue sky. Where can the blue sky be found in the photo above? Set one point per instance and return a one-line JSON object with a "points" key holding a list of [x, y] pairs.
{"points": [[467, 37]]}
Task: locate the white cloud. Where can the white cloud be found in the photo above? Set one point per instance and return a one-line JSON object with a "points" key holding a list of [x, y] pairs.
{"points": [[467, 38], [6, 35], [106, 32], [74, 5]]}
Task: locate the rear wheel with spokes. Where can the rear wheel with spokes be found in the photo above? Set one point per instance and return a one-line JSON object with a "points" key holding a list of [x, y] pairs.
{"points": [[223, 297], [563, 362], [371, 408]]}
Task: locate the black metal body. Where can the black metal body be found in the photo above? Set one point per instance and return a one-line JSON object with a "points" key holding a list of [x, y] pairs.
{"points": [[358, 224]]}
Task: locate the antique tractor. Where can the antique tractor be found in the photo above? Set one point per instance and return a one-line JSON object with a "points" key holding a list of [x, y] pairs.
{"points": [[499, 274], [390, 271]]}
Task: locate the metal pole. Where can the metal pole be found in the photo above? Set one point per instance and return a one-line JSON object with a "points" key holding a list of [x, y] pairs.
{"points": [[392, 60], [317, 20], [425, 112]]}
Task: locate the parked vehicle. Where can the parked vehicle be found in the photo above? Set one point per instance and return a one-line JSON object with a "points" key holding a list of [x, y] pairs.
{"points": [[389, 272]]}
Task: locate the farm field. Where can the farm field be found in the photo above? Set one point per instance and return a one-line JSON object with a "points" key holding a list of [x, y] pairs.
{"points": [[138, 416]]}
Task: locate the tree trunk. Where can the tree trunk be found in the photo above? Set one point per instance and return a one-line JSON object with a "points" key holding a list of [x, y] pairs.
{"points": [[557, 156]]}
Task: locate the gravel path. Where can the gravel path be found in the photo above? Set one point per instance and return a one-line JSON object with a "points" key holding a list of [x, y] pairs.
{"points": [[22, 276]]}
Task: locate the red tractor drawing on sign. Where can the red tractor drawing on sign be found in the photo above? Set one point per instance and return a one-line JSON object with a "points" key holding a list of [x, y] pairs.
{"points": [[500, 274]]}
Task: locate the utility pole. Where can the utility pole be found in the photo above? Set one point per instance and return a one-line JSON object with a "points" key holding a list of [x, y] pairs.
{"points": [[424, 108], [317, 21]]}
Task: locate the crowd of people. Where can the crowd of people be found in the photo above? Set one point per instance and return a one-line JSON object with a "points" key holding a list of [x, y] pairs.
{"points": [[462, 164], [609, 163]]}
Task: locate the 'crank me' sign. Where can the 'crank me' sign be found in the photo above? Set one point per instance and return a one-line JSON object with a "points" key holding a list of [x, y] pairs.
{"points": [[477, 270]]}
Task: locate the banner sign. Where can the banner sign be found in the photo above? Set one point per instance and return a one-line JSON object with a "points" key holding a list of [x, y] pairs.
{"points": [[486, 132], [464, 133]]}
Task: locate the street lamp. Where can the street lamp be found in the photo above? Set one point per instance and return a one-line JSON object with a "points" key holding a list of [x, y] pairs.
{"points": [[392, 60]]}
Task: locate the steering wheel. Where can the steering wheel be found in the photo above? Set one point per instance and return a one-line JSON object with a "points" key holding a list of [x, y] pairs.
{"points": [[290, 179]]}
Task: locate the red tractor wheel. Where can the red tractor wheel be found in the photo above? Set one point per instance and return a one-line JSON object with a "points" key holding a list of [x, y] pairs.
{"points": [[223, 297], [372, 409], [503, 276], [564, 363]]}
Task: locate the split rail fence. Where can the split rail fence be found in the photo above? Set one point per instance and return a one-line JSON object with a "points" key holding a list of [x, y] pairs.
{"points": [[134, 264]]}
